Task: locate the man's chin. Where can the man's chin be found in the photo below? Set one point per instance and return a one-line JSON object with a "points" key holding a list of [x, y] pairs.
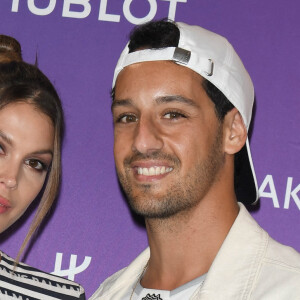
{"points": [[155, 207]]}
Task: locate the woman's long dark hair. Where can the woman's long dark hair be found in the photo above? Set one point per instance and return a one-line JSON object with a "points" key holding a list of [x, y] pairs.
{"points": [[22, 82]]}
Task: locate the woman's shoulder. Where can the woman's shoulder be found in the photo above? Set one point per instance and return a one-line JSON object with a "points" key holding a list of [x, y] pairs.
{"points": [[25, 282]]}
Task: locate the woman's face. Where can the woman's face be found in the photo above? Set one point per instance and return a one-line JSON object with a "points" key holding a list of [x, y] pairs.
{"points": [[26, 150]]}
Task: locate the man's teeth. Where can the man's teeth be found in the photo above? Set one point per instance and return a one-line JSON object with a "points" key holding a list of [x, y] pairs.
{"points": [[153, 171]]}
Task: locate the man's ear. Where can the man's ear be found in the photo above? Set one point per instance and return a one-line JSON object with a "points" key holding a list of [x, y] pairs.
{"points": [[235, 132]]}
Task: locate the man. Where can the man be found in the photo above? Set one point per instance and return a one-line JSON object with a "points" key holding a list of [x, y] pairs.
{"points": [[182, 103]]}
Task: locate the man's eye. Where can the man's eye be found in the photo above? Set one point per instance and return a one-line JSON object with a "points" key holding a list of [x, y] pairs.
{"points": [[127, 119], [36, 164], [174, 115]]}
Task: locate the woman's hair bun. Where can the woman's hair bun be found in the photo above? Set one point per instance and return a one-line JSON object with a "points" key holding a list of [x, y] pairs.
{"points": [[10, 49]]}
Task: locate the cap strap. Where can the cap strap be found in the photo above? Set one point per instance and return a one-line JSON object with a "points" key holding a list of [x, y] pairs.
{"points": [[176, 54]]}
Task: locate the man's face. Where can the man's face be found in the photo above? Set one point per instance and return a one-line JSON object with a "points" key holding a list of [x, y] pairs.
{"points": [[168, 140]]}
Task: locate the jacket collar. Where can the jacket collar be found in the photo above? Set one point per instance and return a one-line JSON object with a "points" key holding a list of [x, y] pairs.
{"points": [[232, 273]]}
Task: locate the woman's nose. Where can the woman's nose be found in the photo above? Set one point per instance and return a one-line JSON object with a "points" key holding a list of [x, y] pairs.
{"points": [[8, 175]]}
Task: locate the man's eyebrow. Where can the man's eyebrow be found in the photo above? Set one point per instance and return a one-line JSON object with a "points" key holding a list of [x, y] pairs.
{"points": [[6, 138], [158, 100], [175, 98], [124, 102]]}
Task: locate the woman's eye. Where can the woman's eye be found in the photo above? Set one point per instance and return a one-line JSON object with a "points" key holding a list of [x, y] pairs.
{"points": [[36, 164], [174, 115], [127, 119], [1, 150]]}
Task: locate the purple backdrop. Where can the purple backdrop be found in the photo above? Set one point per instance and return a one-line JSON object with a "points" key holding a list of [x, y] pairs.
{"points": [[78, 43]]}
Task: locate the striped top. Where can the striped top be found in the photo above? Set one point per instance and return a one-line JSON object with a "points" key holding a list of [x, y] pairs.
{"points": [[27, 283]]}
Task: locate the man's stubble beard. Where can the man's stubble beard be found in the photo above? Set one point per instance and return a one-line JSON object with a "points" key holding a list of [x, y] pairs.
{"points": [[183, 194]]}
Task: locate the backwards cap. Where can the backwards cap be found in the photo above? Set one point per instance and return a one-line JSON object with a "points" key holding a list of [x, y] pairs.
{"points": [[213, 57]]}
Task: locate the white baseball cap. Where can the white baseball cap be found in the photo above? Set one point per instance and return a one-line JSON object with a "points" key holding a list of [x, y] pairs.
{"points": [[213, 57]]}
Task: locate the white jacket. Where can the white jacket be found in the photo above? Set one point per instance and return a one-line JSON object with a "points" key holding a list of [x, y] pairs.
{"points": [[249, 265]]}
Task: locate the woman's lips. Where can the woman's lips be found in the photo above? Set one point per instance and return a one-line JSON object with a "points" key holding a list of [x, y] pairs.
{"points": [[4, 205]]}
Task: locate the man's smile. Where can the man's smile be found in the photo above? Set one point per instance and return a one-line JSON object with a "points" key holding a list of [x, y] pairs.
{"points": [[152, 171]]}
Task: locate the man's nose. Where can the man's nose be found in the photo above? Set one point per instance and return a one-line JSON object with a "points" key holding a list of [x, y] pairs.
{"points": [[147, 137]]}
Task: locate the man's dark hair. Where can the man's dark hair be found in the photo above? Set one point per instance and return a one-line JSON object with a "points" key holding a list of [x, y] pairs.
{"points": [[162, 34]]}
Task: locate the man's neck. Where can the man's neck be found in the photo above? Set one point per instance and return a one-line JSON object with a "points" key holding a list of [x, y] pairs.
{"points": [[184, 246]]}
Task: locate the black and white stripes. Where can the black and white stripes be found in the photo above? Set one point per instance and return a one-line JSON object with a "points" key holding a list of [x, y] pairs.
{"points": [[27, 283]]}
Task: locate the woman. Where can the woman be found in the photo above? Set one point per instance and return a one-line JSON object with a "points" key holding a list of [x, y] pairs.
{"points": [[31, 130]]}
